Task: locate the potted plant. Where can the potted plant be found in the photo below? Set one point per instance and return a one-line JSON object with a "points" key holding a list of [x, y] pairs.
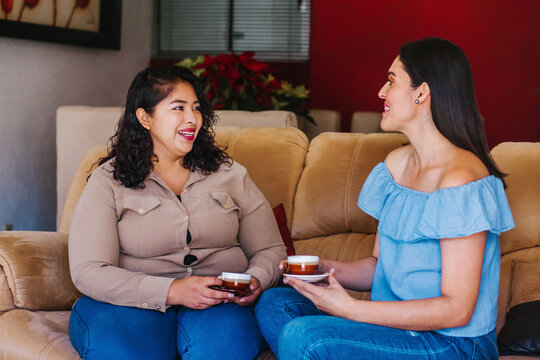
{"points": [[239, 82]]}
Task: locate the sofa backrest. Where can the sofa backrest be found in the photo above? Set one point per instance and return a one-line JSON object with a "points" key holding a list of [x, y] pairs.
{"points": [[78, 128], [325, 121], [274, 158], [267, 118], [366, 122], [521, 161], [337, 164]]}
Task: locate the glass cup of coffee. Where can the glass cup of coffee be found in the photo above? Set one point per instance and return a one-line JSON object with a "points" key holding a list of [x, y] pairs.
{"points": [[302, 264], [235, 281]]}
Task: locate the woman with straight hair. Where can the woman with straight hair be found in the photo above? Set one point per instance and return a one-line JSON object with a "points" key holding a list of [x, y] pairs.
{"points": [[441, 205], [162, 216]]}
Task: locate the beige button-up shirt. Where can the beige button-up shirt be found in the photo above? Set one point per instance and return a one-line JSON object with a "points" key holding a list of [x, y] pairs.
{"points": [[126, 246]]}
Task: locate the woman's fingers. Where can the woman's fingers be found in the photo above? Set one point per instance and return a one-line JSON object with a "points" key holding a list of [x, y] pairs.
{"points": [[217, 294], [247, 300], [332, 281]]}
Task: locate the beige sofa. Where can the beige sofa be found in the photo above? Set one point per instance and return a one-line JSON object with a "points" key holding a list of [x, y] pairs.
{"points": [[318, 183]]}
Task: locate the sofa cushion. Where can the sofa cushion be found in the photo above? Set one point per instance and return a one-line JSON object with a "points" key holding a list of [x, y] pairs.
{"points": [[36, 335], [520, 334], [520, 161], [88, 164], [525, 283], [274, 159], [337, 164], [37, 269]]}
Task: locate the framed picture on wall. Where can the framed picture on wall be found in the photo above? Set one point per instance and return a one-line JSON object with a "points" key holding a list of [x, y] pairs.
{"points": [[90, 23]]}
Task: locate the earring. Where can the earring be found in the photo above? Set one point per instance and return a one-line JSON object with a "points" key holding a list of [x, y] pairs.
{"points": [[416, 101]]}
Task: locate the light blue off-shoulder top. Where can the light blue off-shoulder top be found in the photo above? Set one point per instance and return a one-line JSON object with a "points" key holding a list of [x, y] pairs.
{"points": [[411, 223]]}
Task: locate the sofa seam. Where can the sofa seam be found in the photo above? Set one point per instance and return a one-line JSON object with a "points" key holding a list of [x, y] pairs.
{"points": [[295, 188], [49, 346], [348, 185]]}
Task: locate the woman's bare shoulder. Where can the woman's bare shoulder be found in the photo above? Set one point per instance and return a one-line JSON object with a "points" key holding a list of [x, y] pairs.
{"points": [[464, 168], [397, 159]]}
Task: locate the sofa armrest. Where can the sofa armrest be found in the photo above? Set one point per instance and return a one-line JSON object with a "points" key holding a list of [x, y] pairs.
{"points": [[6, 299], [36, 268]]}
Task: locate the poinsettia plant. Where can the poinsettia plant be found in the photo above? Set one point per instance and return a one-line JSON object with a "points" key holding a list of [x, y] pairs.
{"points": [[239, 82]]}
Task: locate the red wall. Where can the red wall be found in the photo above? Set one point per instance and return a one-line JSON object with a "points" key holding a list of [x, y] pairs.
{"points": [[354, 42]]}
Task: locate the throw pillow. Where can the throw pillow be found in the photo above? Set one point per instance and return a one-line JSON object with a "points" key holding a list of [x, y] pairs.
{"points": [[520, 334], [281, 219]]}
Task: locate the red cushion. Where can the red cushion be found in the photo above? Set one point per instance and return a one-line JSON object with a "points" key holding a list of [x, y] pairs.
{"points": [[279, 213]]}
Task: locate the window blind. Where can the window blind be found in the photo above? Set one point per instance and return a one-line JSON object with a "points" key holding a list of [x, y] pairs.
{"points": [[274, 29]]}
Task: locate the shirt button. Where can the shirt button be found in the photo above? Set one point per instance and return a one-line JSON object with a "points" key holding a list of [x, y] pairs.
{"points": [[185, 190], [186, 217], [226, 207], [141, 211], [158, 307], [189, 270], [186, 249], [144, 305]]}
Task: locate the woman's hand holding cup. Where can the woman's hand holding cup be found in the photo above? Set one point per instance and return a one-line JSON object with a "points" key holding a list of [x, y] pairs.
{"points": [[194, 292]]}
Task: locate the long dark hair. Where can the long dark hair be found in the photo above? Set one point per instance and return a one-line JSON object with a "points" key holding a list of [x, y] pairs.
{"points": [[445, 68], [131, 147]]}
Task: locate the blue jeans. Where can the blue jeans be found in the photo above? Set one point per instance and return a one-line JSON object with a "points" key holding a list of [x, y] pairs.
{"points": [[295, 329], [103, 331]]}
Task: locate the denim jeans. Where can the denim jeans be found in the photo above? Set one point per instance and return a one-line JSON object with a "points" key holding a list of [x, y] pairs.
{"points": [[295, 329], [104, 331]]}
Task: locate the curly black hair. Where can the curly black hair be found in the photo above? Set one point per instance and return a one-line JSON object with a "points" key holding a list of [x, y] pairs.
{"points": [[131, 147]]}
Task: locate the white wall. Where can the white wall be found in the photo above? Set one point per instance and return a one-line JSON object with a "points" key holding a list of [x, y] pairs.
{"points": [[37, 77]]}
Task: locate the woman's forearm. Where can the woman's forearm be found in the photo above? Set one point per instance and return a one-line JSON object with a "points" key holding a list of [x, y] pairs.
{"points": [[418, 315], [354, 275]]}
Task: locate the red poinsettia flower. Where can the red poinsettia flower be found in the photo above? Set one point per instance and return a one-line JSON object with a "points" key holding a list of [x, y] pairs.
{"points": [[226, 59], [207, 63], [31, 3], [273, 85], [7, 6], [82, 3], [239, 81]]}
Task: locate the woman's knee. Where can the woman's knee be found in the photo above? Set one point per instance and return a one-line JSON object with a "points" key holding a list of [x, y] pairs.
{"points": [[239, 319], [297, 337], [104, 331], [272, 298], [235, 334]]}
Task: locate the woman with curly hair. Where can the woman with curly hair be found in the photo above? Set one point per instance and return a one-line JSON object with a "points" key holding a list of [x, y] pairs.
{"points": [[162, 216]]}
